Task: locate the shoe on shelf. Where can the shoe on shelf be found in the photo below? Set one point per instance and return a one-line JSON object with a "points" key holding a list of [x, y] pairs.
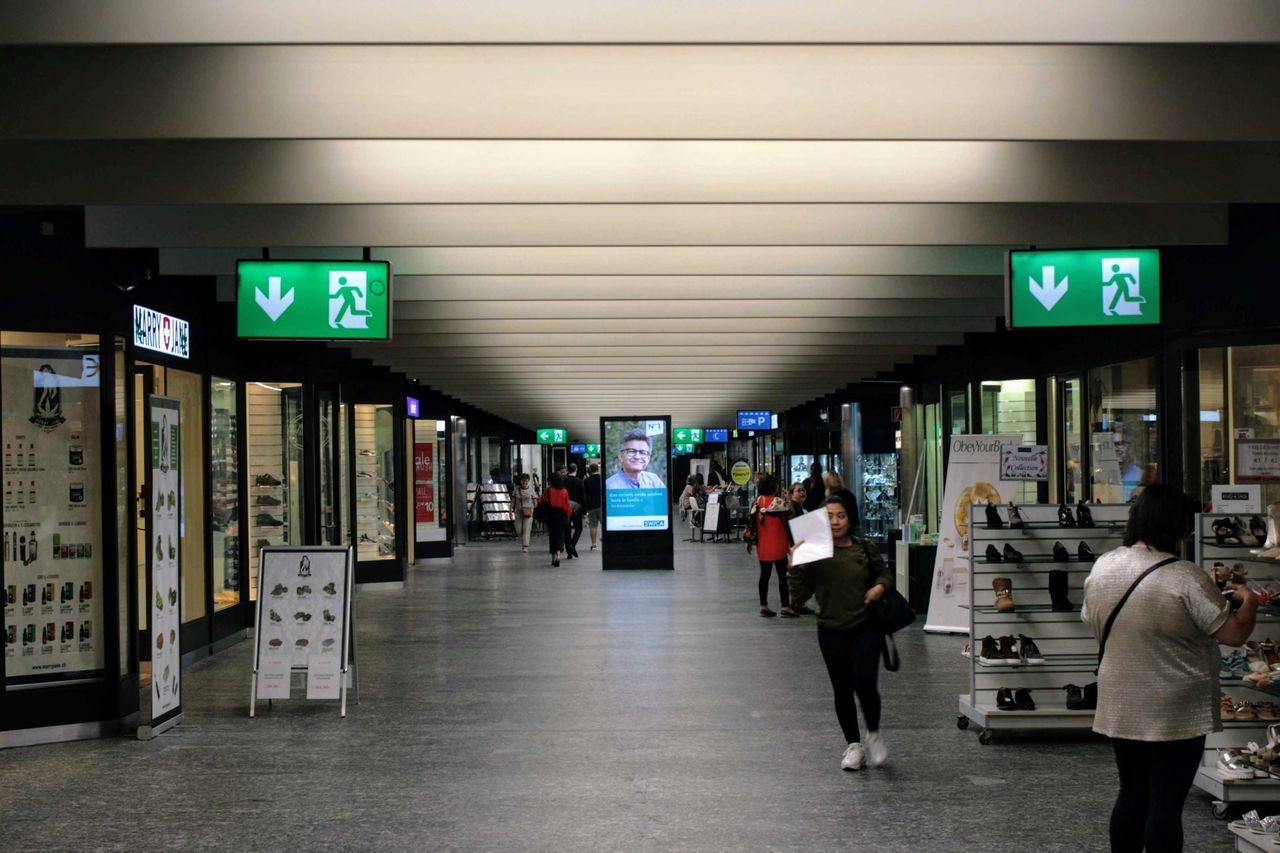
{"points": [[1003, 588], [1232, 764], [990, 655], [854, 757], [765, 611], [265, 479], [264, 543], [1022, 698], [994, 521], [877, 750], [1091, 696], [266, 519], [267, 500], [1085, 553], [1004, 700], [993, 554], [1065, 518], [1008, 652], [965, 651], [1010, 554], [1060, 553], [1075, 697], [1030, 652], [1083, 516], [1015, 517], [1058, 590]]}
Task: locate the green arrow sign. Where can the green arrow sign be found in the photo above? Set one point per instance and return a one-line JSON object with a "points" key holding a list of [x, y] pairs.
{"points": [[314, 300], [593, 450], [1088, 287], [679, 449], [552, 435]]}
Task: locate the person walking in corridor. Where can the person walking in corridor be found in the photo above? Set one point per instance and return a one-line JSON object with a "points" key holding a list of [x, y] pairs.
{"points": [[557, 512], [577, 498], [771, 514], [591, 501], [845, 585], [526, 497], [815, 489]]}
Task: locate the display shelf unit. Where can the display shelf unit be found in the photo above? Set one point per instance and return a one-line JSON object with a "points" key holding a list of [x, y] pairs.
{"points": [[1251, 842], [496, 511], [1066, 643], [375, 472], [1236, 733]]}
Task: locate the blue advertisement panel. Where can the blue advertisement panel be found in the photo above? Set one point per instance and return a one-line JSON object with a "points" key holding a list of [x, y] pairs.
{"points": [[715, 436], [636, 452]]}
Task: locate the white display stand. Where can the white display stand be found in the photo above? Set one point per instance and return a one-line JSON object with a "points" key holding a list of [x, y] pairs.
{"points": [[305, 624], [1237, 733], [1069, 648], [164, 550]]}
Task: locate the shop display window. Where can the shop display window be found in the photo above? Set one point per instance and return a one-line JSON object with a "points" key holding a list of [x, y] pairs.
{"points": [[329, 468], [1124, 429], [375, 482], [1073, 439], [224, 510], [879, 494], [1009, 408], [274, 424], [959, 413], [53, 457], [428, 481], [1255, 415], [124, 503], [187, 389]]}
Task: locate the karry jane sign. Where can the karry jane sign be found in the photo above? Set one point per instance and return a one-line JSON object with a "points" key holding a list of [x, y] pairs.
{"points": [[161, 332]]}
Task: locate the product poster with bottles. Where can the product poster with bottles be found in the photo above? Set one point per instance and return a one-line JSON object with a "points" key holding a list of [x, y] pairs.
{"points": [[52, 515], [166, 493]]}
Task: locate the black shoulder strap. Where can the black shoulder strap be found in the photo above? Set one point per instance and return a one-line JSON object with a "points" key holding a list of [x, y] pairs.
{"points": [[1106, 629]]}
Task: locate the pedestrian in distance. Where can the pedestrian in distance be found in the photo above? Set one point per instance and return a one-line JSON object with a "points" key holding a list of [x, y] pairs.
{"points": [[846, 584], [797, 494], [591, 501], [526, 498], [815, 489], [771, 513], [577, 497], [833, 486], [557, 515], [1158, 677]]}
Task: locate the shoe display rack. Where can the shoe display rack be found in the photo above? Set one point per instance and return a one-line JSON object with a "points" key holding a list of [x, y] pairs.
{"points": [[1258, 703], [1036, 672], [879, 494], [268, 496], [375, 488], [497, 511]]}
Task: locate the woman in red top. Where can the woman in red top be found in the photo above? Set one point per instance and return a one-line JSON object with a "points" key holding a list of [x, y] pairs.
{"points": [[556, 498], [772, 542]]}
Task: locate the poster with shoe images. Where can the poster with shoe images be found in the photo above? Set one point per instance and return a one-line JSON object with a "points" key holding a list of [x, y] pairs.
{"points": [[165, 447], [303, 610], [973, 477], [52, 591]]}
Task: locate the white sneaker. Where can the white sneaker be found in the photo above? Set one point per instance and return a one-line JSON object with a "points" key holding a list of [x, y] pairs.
{"points": [[854, 757], [877, 750]]}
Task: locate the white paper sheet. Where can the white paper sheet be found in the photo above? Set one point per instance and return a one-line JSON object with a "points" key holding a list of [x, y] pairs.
{"points": [[814, 530]]}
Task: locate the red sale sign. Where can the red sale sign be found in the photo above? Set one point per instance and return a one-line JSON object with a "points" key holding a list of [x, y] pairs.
{"points": [[424, 478]]}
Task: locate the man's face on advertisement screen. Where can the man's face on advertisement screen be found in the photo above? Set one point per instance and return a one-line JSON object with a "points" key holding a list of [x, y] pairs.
{"points": [[634, 457]]}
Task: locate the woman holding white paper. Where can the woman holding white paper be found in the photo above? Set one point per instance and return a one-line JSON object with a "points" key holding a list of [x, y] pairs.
{"points": [[845, 584]]}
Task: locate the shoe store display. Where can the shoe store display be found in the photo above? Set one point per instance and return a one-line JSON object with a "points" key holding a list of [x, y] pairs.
{"points": [[1029, 650], [992, 554], [1008, 652], [1085, 553], [267, 500], [1003, 588], [966, 651], [1091, 696], [1075, 697], [994, 521], [265, 480], [266, 519], [1058, 590], [1233, 764], [854, 757], [1060, 553], [991, 654], [1010, 554], [1083, 516], [1065, 518], [1015, 518], [1022, 699], [1005, 700]]}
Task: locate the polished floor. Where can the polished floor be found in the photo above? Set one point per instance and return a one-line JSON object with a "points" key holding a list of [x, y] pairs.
{"points": [[507, 705]]}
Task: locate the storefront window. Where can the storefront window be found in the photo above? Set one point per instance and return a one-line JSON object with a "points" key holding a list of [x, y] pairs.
{"points": [[1073, 431], [375, 483], [1009, 408], [1124, 429], [959, 411], [224, 514], [428, 482], [1255, 414], [53, 457], [274, 421], [187, 389], [124, 507]]}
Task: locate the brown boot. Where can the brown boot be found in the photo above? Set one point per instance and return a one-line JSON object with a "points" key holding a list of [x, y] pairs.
{"points": [[1004, 593]]}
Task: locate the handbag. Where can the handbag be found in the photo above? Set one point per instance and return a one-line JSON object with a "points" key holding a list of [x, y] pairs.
{"points": [[540, 512], [892, 612], [526, 511]]}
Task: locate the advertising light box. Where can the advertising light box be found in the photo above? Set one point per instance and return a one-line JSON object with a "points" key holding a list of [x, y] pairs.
{"points": [[637, 504], [577, 448], [314, 300]]}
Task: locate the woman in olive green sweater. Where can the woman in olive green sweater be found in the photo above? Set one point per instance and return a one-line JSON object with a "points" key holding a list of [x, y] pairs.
{"points": [[845, 584]]}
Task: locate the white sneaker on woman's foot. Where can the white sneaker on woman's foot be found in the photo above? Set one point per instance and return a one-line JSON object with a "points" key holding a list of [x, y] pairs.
{"points": [[877, 750], [854, 757]]}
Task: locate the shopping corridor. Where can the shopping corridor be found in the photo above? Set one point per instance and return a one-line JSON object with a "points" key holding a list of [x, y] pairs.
{"points": [[507, 705]]}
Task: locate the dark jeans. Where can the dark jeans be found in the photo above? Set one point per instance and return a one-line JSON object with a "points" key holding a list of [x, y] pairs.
{"points": [[768, 567], [1155, 777], [853, 664], [575, 531]]}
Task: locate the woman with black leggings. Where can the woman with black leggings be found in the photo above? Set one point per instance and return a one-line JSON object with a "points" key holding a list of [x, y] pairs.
{"points": [[845, 584], [771, 516]]}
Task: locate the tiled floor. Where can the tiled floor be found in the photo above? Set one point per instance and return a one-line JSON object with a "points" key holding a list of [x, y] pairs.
{"points": [[507, 705]]}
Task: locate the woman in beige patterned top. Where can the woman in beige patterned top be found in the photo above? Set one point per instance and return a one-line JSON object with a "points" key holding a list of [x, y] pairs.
{"points": [[1158, 682]]}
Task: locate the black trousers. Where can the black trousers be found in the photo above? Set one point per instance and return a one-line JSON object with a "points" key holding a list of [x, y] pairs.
{"points": [[1155, 777], [575, 530], [556, 527], [853, 664], [767, 568]]}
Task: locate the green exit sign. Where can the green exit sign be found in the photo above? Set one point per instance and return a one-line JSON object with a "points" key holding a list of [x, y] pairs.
{"points": [[681, 449], [592, 450], [552, 435], [1083, 287], [314, 300], [687, 435]]}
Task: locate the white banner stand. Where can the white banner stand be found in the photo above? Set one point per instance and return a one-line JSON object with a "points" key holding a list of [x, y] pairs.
{"points": [[306, 623]]}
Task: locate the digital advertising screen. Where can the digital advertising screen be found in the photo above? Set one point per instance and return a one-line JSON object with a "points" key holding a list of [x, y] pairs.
{"points": [[636, 454]]}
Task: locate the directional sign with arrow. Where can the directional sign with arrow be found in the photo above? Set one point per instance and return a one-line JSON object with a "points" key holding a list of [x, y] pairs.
{"points": [[1046, 292], [552, 435], [273, 302], [314, 300], [1082, 287]]}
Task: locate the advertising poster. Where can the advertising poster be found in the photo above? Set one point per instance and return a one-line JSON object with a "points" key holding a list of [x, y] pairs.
{"points": [[635, 489], [52, 592], [973, 477], [424, 495], [165, 622], [303, 605]]}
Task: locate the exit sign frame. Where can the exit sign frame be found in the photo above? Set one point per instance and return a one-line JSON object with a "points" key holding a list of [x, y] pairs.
{"points": [[292, 300], [1082, 288]]}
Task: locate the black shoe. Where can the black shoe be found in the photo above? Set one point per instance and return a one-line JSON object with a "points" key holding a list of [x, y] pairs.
{"points": [[1065, 518], [1010, 555], [1015, 517], [1022, 698], [1085, 553], [555, 562], [1091, 696], [1004, 700], [266, 519], [1030, 652], [1058, 590], [264, 543], [265, 480], [1060, 553], [1008, 652], [990, 654], [1084, 515], [994, 520], [1258, 528], [267, 500], [993, 554], [1075, 698]]}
